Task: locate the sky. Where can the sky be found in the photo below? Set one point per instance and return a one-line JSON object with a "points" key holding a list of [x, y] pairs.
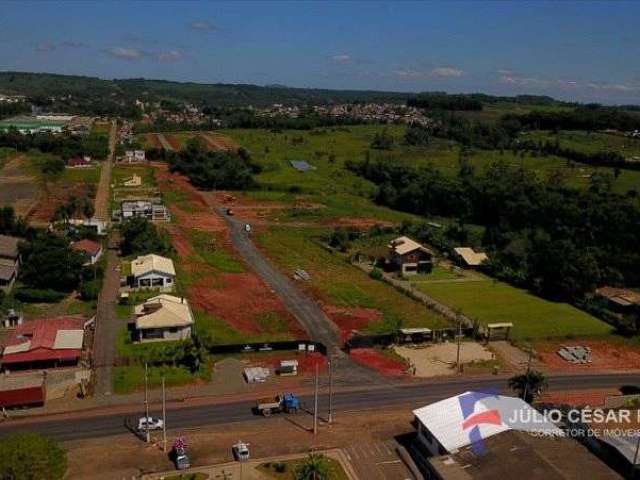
{"points": [[586, 51]]}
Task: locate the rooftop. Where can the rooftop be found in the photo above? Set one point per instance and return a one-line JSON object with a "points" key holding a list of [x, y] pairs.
{"points": [[9, 246], [152, 263], [163, 311], [87, 246], [404, 245], [521, 455], [470, 256]]}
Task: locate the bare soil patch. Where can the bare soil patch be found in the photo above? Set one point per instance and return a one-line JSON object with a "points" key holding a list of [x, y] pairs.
{"points": [[604, 356], [240, 299], [351, 320], [18, 189], [352, 222], [593, 398], [215, 141], [372, 358], [440, 359]]}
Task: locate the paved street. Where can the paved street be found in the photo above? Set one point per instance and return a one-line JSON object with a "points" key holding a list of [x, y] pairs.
{"points": [[71, 427]]}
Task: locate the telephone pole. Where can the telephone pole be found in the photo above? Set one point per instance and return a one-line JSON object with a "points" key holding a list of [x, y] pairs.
{"points": [[459, 340], [330, 419], [526, 378], [164, 419], [146, 402], [315, 406]]}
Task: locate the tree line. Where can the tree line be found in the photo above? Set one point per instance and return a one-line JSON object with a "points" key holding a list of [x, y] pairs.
{"points": [[557, 242], [64, 145]]}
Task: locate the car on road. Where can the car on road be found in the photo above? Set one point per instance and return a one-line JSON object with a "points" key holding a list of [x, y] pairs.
{"points": [[150, 423]]}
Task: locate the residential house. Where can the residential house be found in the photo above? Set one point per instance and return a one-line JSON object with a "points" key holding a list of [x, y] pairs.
{"points": [[43, 343], [478, 435], [164, 317], [154, 211], [134, 156], [98, 226], [90, 249], [409, 257], [9, 261], [79, 162], [468, 257], [153, 272], [620, 300]]}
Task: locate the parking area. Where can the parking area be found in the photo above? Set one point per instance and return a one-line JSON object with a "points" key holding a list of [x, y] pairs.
{"points": [[378, 461]]}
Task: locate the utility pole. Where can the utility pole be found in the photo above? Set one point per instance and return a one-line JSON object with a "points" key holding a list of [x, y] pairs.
{"points": [[459, 340], [330, 419], [526, 378], [146, 401], [164, 419], [315, 406]]}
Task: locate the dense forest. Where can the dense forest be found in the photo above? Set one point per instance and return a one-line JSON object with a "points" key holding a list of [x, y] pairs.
{"points": [[66, 146], [558, 242]]}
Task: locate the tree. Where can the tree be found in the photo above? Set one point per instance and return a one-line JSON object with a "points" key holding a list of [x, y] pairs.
{"points": [[50, 263], [382, 140], [417, 135], [30, 456], [315, 467], [528, 385], [139, 236]]}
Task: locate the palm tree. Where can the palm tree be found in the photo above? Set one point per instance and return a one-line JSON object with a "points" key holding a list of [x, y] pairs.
{"points": [[316, 467], [528, 385]]}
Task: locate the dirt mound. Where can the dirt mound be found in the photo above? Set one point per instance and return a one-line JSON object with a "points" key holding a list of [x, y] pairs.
{"points": [[604, 356], [350, 319], [372, 358], [240, 299]]}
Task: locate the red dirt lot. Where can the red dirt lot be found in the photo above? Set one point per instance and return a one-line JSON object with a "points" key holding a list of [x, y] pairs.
{"points": [[360, 223], [593, 398], [239, 300], [372, 358], [604, 356], [306, 361], [52, 198], [350, 319], [152, 139], [173, 141]]}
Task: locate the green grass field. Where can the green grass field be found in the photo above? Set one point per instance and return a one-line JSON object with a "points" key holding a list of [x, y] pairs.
{"points": [[287, 470], [339, 283], [590, 142], [491, 301]]}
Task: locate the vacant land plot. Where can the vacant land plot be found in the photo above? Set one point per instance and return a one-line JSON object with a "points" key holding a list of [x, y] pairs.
{"points": [[491, 301], [231, 303], [611, 355], [349, 296], [590, 142], [440, 359], [18, 188]]}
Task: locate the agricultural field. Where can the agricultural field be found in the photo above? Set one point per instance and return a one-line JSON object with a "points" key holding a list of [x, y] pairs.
{"points": [[590, 142], [489, 301], [352, 299]]}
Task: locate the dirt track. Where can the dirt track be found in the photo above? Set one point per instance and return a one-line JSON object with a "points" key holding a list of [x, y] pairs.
{"points": [[102, 193]]}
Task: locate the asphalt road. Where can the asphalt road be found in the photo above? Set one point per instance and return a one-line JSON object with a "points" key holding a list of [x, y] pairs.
{"points": [[406, 397]]}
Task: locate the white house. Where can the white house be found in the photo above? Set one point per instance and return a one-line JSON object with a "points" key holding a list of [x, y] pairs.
{"points": [[153, 272], [134, 156], [164, 317]]}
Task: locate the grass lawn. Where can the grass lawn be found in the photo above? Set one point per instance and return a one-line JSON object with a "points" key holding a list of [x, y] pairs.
{"points": [[209, 247], [533, 317], [131, 378], [120, 173], [209, 326], [337, 282], [287, 470], [82, 175], [438, 273]]}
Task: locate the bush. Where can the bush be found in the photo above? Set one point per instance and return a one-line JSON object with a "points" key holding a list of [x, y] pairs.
{"points": [[34, 295], [31, 456], [90, 290], [376, 274], [280, 467]]}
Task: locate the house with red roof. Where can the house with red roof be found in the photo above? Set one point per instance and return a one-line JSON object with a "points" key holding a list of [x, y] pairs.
{"points": [[43, 343], [90, 249], [79, 162]]}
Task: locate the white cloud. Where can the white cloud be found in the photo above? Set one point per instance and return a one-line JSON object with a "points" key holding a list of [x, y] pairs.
{"points": [[169, 56], [408, 73], [202, 26], [126, 53], [447, 72], [342, 59]]}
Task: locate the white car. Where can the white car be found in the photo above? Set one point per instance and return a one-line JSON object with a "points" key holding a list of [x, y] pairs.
{"points": [[150, 423]]}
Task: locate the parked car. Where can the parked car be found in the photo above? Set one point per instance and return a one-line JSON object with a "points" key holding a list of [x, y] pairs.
{"points": [[150, 423], [181, 459]]}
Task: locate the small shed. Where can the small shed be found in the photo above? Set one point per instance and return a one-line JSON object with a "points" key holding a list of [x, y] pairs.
{"points": [[22, 391], [288, 368], [256, 374], [416, 335], [504, 327]]}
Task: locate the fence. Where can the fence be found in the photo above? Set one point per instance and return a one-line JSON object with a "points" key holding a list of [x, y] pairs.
{"points": [[368, 341]]}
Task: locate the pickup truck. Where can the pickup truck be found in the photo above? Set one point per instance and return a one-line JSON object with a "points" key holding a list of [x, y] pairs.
{"points": [[286, 402]]}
